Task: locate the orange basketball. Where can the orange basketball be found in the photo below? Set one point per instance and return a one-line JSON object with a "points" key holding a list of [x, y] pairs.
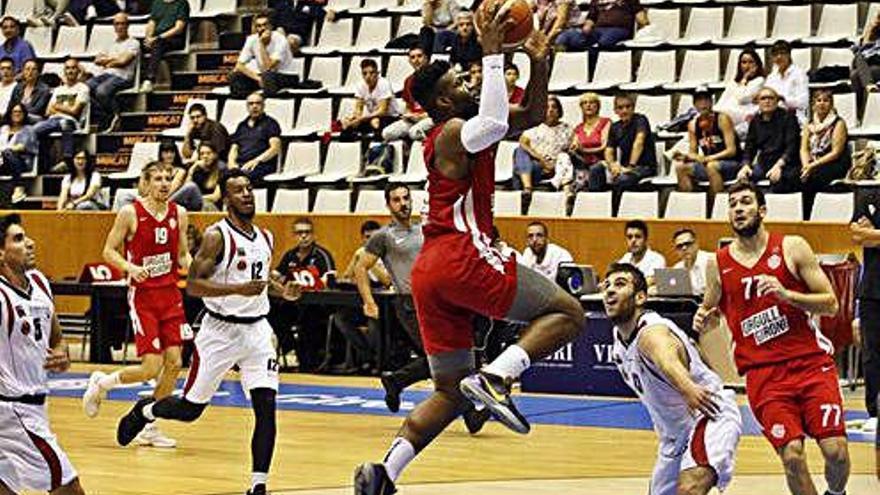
{"points": [[518, 10]]}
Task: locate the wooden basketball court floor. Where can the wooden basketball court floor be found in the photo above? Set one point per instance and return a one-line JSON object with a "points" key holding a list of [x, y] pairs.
{"points": [[317, 449]]}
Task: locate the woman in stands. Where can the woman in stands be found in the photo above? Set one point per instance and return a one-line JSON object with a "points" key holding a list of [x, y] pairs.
{"points": [[185, 197], [18, 148], [825, 154], [590, 138], [81, 187], [738, 99], [204, 175]]}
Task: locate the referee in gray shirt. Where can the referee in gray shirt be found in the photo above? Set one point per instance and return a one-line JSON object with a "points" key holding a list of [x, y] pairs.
{"points": [[397, 245]]}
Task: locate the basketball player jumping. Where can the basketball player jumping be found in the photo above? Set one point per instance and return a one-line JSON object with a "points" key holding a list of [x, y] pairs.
{"points": [[698, 422], [30, 344], [458, 274], [148, 242], [231, 273], [768, 285]]}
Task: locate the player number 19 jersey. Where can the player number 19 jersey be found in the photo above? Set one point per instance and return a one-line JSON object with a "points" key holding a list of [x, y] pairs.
{"points": [[245, 257]]}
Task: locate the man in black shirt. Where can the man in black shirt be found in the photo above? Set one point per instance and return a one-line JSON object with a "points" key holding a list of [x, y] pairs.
{"points": [[465, 49], [630, 155], [865, 230], [772, 148], [256, 143]]}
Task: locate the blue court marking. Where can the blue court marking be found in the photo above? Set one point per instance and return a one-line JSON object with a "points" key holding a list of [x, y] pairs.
{"points": [[549, 410]]}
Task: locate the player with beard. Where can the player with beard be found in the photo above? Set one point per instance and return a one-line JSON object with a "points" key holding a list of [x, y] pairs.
{"points": [[458, 274], [768, 286], [698, 422], [231, 272]]}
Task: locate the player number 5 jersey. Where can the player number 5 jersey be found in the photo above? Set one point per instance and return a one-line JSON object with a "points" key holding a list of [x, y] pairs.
{"points": [[25, 329], [245, 257]]}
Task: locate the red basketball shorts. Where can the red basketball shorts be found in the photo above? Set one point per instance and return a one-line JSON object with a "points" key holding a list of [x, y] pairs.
{"points": [[452, 283], [157, 318], [800, 397]]}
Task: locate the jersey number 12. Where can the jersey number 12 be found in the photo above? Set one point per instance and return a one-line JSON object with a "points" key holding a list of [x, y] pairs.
{"points": [[257, 270]]}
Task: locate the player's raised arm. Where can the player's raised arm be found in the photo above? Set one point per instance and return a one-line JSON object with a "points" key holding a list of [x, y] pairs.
{"points": [[114, 246], [821, 299], [667, 352], [198, 281], [707, 313], [184, 259]]}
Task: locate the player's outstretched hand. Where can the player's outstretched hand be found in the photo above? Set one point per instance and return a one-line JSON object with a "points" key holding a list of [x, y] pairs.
{"points": [[491, 24], [705, 318], [252, 288], [537, 46], [138, 273], [57, 361], [703, 400]]}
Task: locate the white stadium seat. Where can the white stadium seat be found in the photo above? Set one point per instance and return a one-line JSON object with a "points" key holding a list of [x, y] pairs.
{"points": [[343, 161], [592, 205], [303, 159], [547, 204], [507, 203], [832, 207], [642, 205], [785, 207], [332, 201], [686, 205], [291, 201]]}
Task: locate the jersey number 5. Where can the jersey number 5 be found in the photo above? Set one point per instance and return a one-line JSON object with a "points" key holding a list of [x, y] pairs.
{"points": [[161, 235]]}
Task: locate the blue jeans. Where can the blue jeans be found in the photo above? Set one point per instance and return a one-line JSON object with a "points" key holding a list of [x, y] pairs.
{"points": [[64, 125], [524, 164], [576, 40], [103, 88], [189, 196], [599, 179]]}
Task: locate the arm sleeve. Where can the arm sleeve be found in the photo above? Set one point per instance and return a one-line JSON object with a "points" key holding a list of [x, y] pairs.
{"points": [[490, 125]]}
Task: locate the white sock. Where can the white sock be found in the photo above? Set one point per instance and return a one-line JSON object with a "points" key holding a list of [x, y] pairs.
{"points": [[399, 455], [510, 364], [147, 411], [259, 479], [108, 382]]}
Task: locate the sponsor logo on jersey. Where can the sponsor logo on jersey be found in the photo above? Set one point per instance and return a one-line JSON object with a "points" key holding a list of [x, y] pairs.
{"points": [[172, 223], [774, 261], [241, 265], [765, 325], [778, 430]]}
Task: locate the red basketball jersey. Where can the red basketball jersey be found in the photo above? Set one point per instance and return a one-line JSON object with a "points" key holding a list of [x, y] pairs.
{"points": [[459, 205], [765, 330], [155, 246]]}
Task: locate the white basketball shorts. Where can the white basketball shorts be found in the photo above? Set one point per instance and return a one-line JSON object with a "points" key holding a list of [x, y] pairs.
{"points": [[30, 458]]}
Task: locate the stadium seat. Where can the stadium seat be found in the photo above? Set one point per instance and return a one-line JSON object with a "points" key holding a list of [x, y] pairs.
{"points": [[332, 201], [370, 201], [419, 200], [71, 40], [871, 118], [845, 104], [504, 161], [302, 160], [346, 107], [802, 57], [592, 205], [373, 34], [785, 207], [409, 24], [335, 36], [548, 204], [655, 108], [328, 70], [507, 203], [838, 23], [121, 194], [700, 67], [642, 205], [343, 161], [747, 25], [344, 5], [141, 154], [234, 111], [214, 8], [686, 205], [612, 69], [522, 62], [180, 131], [792, 22], [397, 167], [571, 110], [667, 22], [40, 39], [569, 71], [704, 25], [416, 171], [20, 9], [374, 7], [101, 39], [719, 207], [832, 207], [261, 200], [834, 57], [282, 111], [398, 70], [314, 116], [655, 69], [291, 201]]}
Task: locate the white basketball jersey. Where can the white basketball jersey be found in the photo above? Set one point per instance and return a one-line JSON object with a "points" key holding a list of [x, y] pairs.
{"points": [[665, 404], [25, 329], [245, 258]]}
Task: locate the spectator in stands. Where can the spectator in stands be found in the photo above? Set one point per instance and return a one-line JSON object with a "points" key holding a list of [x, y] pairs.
{"points": [[117, 73], [14, 47], [713, 153], [608, 23], [562, 21], [691, 258], [535, 159], [542, 255], [375, 106], [68, 109], [165, 32], [31, 92], [515, 94], [308, 264], [825, 154], [465, 47], [772, 145], [738, 98], [439, 17], [630, 155], [256, 142], [81, 187], [297, 19], [865, 71], [638, 253], [414, 123], [188, 197], [790, 81], [475, 79], [589, 140], [265, 62], [203, 130], [18, 148], [204, 174], [7, 81]]}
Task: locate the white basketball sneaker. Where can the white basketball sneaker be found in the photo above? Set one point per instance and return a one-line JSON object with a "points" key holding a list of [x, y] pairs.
{"points": [[151, 436], [93, 396], [869, 426]]}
